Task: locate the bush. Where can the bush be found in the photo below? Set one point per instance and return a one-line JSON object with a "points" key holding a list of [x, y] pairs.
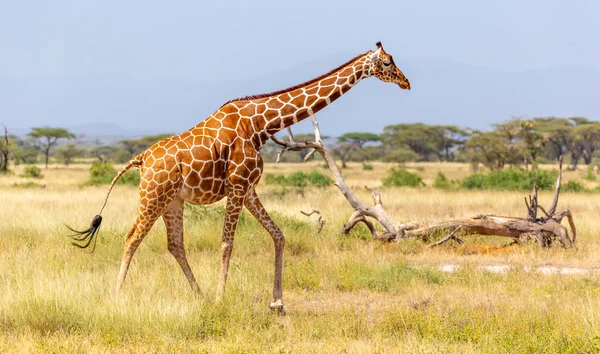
{"points": [[590, 176], [103, 173], [401, 156], [29, 184], [442, 182], [300, 179], [32, 172], [511, 179], [367, 167], [402, 178], [572, 186]]}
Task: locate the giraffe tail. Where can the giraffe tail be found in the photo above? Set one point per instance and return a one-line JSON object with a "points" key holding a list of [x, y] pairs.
{"points": [[83, 239]]}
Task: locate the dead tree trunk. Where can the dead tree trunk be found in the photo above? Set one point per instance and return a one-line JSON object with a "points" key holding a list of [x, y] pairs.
{"points": [[543, 229]]}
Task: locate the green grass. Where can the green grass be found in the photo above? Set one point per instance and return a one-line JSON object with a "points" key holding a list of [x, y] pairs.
{"points": [[342, 293]]}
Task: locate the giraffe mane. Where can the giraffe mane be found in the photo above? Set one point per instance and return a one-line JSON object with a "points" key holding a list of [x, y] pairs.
{"points": [[292, 88]]}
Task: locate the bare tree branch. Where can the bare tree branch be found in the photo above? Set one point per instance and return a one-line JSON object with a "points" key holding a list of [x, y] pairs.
{"points": [[544, 229], [320, 221], [447, 238], [552, 209]]}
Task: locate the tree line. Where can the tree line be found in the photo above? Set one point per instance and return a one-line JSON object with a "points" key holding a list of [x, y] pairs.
{"points": [[516, 142]]}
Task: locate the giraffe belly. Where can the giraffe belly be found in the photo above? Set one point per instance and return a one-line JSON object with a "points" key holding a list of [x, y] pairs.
{"points": [[208, 191]]}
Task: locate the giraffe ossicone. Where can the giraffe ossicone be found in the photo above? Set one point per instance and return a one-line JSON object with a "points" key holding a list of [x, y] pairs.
{"points": [[220, 158]]}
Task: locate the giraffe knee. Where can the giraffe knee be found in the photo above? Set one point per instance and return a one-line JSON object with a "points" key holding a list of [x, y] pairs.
{"points": [[279, 239], [226, 246]]}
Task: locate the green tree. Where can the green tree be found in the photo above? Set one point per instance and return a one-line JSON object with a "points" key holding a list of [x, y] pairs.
{"points": [[415, 136], [493, 149], [6, 147], [401, 156], [135, 146], [447, 138], [69, 152], [558, 133], [578, 137], [348, 143], [48, 137], [525, 136], [107, 153], [587, 140]]}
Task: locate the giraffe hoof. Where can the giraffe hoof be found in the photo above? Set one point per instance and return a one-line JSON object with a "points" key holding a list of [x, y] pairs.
{"points": [[277, 307]]}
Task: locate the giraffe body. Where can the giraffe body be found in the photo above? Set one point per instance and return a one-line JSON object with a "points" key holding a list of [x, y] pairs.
{"points": [[220, 158]]}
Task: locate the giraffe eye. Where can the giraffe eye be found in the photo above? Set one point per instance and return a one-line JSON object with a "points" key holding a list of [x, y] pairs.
{"points": [[387, 63]]}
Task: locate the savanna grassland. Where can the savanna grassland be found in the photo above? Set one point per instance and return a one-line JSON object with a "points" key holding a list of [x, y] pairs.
{"points": [[342, 293]]}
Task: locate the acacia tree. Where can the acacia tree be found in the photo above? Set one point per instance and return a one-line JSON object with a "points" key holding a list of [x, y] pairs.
{"points": [[529, 142], [351, 142], [446, 138], [135, 146], [586, 138], [48, 137], [576, 136], [493, 149], [67, 153], [415, 136], [107, 152], [5, 150], [558, 133]]}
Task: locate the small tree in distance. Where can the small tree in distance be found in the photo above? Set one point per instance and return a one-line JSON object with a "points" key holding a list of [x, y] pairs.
{"points": [[67, 153], [48, 137], [350, 142], [5, 150]]}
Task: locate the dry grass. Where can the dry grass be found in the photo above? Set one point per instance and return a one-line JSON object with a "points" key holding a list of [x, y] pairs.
{"points": [[342, 293]]}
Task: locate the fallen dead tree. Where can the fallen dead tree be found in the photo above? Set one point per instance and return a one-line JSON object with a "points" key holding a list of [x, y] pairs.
{"points": [[544, 229]]}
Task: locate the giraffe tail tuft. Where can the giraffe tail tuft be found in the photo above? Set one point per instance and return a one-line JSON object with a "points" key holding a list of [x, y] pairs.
{"points": [[83, 239]]}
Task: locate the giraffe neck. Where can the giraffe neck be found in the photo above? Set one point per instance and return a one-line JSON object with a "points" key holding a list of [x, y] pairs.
{"points": [[271, 113]]}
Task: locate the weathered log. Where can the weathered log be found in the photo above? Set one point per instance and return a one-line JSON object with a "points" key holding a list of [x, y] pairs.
{"points": [[489, 225]]}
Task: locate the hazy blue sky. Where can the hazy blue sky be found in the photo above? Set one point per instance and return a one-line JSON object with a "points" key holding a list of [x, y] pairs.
{"points": [[243, 39], [163, 66]]}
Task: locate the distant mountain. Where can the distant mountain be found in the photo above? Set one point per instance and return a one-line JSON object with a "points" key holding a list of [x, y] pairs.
{"points": [[443, 92], [99, 130]]}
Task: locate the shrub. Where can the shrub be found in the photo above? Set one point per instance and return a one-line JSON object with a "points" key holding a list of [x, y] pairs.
{"points": [[29, 184], [367, 167], [402, 178], [572, 186], [401, 156], [442, 182], [300, 179], [32, 172], [511, 179], [103, 173], [590, 176]]}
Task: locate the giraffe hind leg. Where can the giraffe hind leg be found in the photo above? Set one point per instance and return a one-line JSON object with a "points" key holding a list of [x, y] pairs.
{"points": [[150, 210], [173, 218], [134, 237]]}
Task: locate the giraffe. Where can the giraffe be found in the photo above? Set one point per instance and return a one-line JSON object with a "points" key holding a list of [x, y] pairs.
{"points": [[220, 158]]}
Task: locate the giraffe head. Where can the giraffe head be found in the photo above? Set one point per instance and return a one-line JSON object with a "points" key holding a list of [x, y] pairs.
{"points": [[384, 68]]}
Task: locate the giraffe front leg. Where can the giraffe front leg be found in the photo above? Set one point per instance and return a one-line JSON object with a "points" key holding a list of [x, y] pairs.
{"points": [[232, 214], [256, 208]]}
